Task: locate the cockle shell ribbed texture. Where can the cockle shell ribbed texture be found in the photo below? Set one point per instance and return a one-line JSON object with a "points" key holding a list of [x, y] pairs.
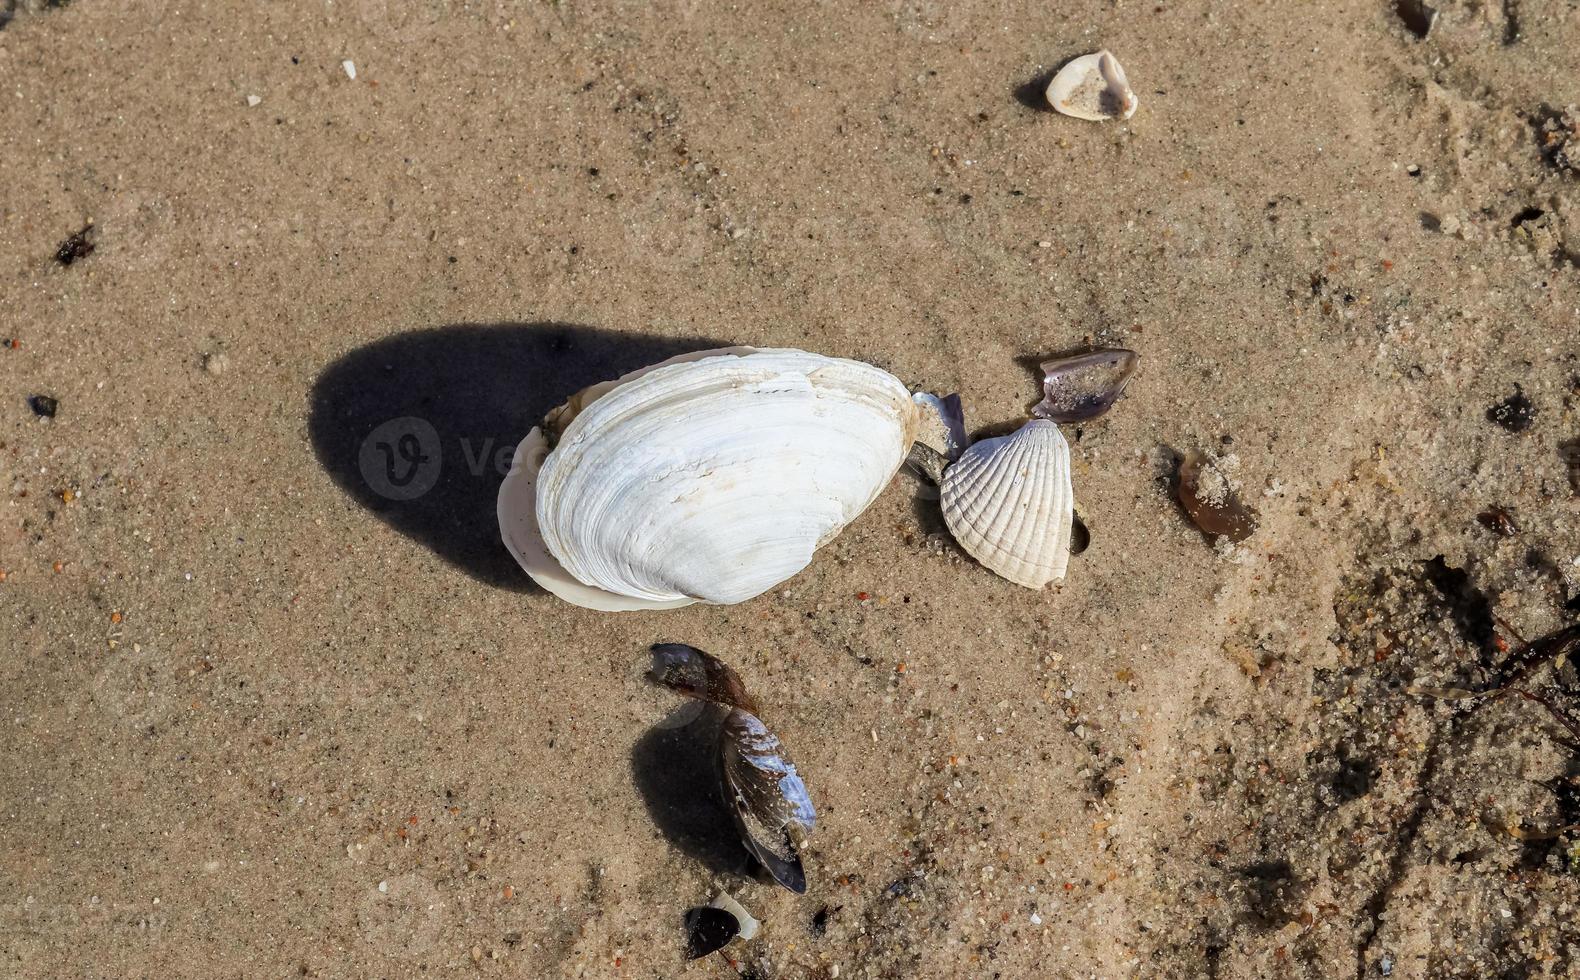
{"points": [[1009, 504]]}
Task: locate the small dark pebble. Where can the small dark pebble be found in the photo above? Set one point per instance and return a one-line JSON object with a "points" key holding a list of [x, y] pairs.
{"points": [[708, 930], [965, 198], [592, 171], [1515, 413], [43, 406], [1498, 521], [76, 247]]}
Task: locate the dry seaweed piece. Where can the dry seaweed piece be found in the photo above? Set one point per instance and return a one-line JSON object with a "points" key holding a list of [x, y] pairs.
{"points": [[78, 246], [1083, 386], [709, 930], [1515, 413], [696, 674], [1211, 502]]}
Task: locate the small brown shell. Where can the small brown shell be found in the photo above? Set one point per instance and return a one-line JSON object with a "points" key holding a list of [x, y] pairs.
{"points": [[1217, 511], [1083, 386]]}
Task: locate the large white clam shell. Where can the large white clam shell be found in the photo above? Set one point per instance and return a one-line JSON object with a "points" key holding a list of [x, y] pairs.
{"points": [[709, 478], [1009, 503], [1093, 87]]}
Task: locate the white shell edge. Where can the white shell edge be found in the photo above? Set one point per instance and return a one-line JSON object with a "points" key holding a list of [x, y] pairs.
{"points": [[518, 527]]}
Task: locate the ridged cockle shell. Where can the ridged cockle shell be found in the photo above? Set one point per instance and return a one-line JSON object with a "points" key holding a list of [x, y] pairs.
{"points": [[1009, 504]]}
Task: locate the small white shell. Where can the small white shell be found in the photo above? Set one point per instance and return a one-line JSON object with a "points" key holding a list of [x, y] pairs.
{"points": [[1093, 87], [711, 477], [1008, 502]]}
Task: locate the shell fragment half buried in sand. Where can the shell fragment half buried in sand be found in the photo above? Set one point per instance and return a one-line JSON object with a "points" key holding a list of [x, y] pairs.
{"points": [[1093, 87]]}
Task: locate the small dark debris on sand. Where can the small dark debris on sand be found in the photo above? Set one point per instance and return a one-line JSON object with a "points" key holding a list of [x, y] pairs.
{"points": [[1498, 521], [1558, 137], [43, 406], [1515, 413], [78, 246], [1417, 16]]}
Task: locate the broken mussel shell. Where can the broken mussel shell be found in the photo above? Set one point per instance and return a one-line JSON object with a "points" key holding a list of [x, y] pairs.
{"points": [[1081, 387], [708, 930], [765, 795], [1210, 501], [695, 674], [766, 798]]}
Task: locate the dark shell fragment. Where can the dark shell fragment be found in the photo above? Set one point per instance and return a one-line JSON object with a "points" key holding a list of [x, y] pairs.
{"points": [[1082, 387], [765, 796], [696, 674], [1211, 503], [1417, 15], [709, 930], [1080, 535]]}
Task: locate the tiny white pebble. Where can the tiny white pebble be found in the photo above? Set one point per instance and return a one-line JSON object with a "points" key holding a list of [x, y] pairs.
{"points": [[253, 100], [384, 886], [1036, 919], [351, 69]]}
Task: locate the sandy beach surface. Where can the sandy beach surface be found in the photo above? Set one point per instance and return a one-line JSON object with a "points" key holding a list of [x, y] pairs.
{"points": [[266, 715]]}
